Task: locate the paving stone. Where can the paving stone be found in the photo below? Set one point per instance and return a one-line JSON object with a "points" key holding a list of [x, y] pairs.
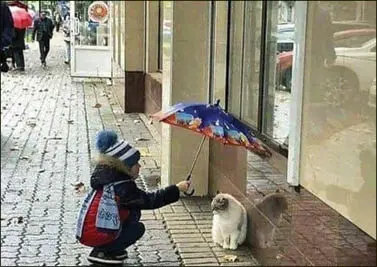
{"points": [[184, 231], [39, 188], [186, 235], [8, 261], [188, 240], [194, 255], [199, 261]]}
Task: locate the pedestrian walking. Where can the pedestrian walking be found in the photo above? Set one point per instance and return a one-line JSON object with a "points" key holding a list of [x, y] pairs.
{"points": [[57, 20], [17, 48], [67, 39], [43, 29], [109, 217], [6, 31]]}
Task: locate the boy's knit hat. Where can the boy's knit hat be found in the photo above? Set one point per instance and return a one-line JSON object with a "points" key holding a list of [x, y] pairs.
{"points": [[108, 144]]}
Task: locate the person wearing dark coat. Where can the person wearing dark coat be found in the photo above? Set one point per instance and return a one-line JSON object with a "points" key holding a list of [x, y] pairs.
{"points": [[18, 47], [118, 166], [43, 30], [6, 31]]}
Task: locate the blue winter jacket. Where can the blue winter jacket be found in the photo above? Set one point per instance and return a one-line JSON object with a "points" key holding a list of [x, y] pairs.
{"points": [[130, 196]]}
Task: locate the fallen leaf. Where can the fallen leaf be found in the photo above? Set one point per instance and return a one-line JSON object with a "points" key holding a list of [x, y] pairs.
{"points": [[55, 137], [138, 139], [137, 121], [279, 256], [31, 124], [20, 219], [41, 170], [25, 157], [14, 148], [98, 105], [230, 258], [70, 121], [118, 124]]}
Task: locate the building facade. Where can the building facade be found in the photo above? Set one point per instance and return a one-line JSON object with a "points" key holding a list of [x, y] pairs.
{"points": [[301, 74]]}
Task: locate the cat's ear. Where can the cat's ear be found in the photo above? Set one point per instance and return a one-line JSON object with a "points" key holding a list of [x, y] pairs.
{"points": [[218, 192]]}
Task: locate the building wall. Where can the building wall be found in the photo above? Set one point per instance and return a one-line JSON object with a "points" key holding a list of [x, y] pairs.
{"points": [[338, 120], [338, 142]]}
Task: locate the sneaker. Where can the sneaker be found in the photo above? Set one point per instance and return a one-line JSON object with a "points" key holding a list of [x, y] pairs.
{"points": [[121, 255], [100, 257]]}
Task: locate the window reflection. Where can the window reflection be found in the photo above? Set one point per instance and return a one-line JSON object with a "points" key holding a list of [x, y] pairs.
{"points": [[280, 40], [339, 121], [88, 32]]}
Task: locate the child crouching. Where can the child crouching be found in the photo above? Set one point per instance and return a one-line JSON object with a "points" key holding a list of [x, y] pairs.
{"points": [[109, 217]]}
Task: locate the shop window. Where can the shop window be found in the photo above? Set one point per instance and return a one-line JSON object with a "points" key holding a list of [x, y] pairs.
{"points": [[252, 55], [278, 58], [160, 35], [261, 43]]}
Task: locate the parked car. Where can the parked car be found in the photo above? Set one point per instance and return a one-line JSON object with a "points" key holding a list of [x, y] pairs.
{"points": [[285, 37], [349, 47], [356, 65]]}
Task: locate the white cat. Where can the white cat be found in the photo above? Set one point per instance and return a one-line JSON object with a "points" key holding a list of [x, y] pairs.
{"points": [[229, 225]]}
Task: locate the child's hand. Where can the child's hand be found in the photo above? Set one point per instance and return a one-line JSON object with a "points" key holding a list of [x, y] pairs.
{"points": [[183, 186]]}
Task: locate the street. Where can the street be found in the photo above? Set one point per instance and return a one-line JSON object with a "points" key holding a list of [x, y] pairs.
{"points": [[48, 124]]}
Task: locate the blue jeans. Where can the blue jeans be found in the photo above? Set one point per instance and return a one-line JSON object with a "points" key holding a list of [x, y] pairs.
{"points": [[131, 232]]}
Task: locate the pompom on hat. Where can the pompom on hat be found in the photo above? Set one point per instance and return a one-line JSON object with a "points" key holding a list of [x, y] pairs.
{"points": [[107, 143]]}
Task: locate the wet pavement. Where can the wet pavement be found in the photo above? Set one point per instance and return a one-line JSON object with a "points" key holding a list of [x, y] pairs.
{"points": [[48, 124]]}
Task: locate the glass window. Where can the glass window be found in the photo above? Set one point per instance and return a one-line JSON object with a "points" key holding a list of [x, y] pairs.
{"points": [[235, 58], [251, 70], [160, 34], [219, 48], [87, 31], [277, 74], [338, 147]]}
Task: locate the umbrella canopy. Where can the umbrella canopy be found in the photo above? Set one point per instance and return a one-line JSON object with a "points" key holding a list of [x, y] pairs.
{"points": [[214, 122], [19, 4], [21, 17]]}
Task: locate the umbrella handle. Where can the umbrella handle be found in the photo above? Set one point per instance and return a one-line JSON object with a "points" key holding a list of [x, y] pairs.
{"points": [[189, 194], [193, 165]]}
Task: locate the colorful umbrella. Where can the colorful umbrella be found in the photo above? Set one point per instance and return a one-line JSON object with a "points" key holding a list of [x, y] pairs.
{"points": [[21, 17], [214, 122]]}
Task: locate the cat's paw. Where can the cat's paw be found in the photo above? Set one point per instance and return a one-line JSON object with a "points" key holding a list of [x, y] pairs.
{"points": [[225, 246], [233, 247]]}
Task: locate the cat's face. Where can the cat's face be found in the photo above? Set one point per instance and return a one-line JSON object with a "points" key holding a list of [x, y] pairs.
{"points": [[219, 203]]}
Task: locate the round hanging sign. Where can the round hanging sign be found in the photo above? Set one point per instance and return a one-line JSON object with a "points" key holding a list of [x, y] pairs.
{"points": [[98, 11]]}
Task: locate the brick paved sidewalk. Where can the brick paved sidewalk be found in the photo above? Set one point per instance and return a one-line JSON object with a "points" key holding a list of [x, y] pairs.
{"points": [[48, 125]]}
